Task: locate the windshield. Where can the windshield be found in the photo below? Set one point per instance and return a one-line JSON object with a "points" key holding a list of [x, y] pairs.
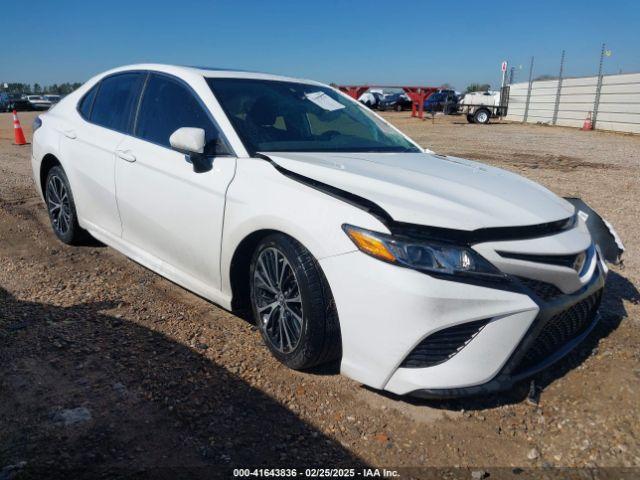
{"points": [[275, 116]]}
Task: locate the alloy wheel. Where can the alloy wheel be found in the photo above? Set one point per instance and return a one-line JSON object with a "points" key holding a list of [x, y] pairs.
{"points": [[58, 204], [278, 300]]}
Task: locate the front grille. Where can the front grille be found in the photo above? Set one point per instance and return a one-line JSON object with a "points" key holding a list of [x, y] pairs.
{"points": [[560, 330], [442, 345], [561, 260], [546, 291]]}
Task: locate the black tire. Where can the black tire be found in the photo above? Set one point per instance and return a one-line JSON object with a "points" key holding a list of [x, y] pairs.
{"points": [[482, 116], [398, 107], [470, 118], [319, 335], [65, 225]]}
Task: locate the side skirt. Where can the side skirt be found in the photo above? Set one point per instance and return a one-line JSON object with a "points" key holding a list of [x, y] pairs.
{"points": [[160, 267]]}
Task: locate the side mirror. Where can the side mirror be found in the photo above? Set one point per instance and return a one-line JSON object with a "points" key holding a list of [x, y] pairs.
{"points": [[188, 140], [191, 142]]}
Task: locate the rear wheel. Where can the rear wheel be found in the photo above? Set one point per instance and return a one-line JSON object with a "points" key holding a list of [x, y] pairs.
{"points": [[292, 305], [61, 207], [481, 116]]}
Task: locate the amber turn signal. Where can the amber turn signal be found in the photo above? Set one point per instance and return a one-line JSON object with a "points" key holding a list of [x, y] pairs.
{"points": [[369, 244]]}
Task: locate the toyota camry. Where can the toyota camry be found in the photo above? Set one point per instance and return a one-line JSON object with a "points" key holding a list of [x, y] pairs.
{"points": [[418, 273]]}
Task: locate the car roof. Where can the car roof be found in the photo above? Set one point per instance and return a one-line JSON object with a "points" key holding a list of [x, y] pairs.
{"points": [[209, 72]]}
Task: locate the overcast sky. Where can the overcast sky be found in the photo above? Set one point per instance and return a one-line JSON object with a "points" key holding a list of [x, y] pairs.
{"points": [[374, 42]]}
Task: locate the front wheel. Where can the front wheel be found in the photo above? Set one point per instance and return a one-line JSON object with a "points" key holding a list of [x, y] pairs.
{"points": [[292, 304]]}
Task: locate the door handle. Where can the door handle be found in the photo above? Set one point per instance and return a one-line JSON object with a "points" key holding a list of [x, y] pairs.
{"points": [[70, 133], [126, 155]]}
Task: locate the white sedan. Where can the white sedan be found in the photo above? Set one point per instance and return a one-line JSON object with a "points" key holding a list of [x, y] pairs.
{"points": [[419, 273], [38, 102]]}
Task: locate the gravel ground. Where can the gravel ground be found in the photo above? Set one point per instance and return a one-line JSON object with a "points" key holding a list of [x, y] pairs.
{"points": [[105, 364]]}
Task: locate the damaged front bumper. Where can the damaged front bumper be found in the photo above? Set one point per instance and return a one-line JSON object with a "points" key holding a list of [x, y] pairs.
{"points": [[560, 326]]}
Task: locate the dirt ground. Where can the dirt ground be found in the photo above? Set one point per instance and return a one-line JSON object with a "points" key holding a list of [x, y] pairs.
{"points": [[108, 367]]}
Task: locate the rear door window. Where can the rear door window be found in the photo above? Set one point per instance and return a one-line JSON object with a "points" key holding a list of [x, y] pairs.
{"points": [[116, 101]]}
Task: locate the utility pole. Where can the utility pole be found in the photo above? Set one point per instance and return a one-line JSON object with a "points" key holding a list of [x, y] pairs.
{"points": [[526, 108], [557, 105]]}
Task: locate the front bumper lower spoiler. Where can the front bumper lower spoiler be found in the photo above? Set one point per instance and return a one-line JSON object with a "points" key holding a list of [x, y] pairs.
{"points": [[509, 375]]}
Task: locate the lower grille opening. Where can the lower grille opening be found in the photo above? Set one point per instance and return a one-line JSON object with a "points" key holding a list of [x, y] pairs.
{"points": [[560, 330], [443, 344], [544, 290]]}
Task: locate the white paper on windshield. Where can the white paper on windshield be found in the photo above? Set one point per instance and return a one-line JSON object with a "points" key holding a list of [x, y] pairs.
{"points": [[323, 101]]}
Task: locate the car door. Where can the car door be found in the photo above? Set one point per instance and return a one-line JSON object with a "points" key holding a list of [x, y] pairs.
{"points": [[89, 146], [168, 211]]}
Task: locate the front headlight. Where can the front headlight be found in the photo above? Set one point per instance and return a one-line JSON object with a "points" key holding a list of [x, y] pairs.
{"points": [[428, 256]]}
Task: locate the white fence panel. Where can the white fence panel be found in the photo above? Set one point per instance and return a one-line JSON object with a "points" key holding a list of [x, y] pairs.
{"points": [[618, 107], [622, 78]]}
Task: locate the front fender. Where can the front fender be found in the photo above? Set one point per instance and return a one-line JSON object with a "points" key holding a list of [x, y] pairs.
{"points": [[261, 198]]}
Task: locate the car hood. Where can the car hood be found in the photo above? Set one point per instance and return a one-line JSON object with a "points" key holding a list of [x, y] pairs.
{"points": [[433, 190]]}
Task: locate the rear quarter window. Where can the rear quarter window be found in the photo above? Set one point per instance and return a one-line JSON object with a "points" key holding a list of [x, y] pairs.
{"points": [[84, 107]]}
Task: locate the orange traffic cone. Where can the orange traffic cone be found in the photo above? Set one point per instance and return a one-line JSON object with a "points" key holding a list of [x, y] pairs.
{"points": [[587, 125], [17, 131]]}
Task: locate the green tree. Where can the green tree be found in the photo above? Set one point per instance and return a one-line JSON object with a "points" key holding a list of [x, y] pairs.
{"points": [[478, 87], [58, 89], [18, 87]]}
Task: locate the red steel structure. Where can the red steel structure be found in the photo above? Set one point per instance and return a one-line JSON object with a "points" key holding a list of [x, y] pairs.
{"points": [[417, 94]]}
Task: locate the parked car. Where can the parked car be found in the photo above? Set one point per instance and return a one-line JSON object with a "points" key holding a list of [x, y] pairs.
{"points": [[4, 101], [19, 103], [395, 101], [443, 101], [420, 273], [38, 102], [371, 99], [52, 98]]}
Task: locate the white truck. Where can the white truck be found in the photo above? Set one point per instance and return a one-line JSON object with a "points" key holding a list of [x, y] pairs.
{"points": [[479, 107]]}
